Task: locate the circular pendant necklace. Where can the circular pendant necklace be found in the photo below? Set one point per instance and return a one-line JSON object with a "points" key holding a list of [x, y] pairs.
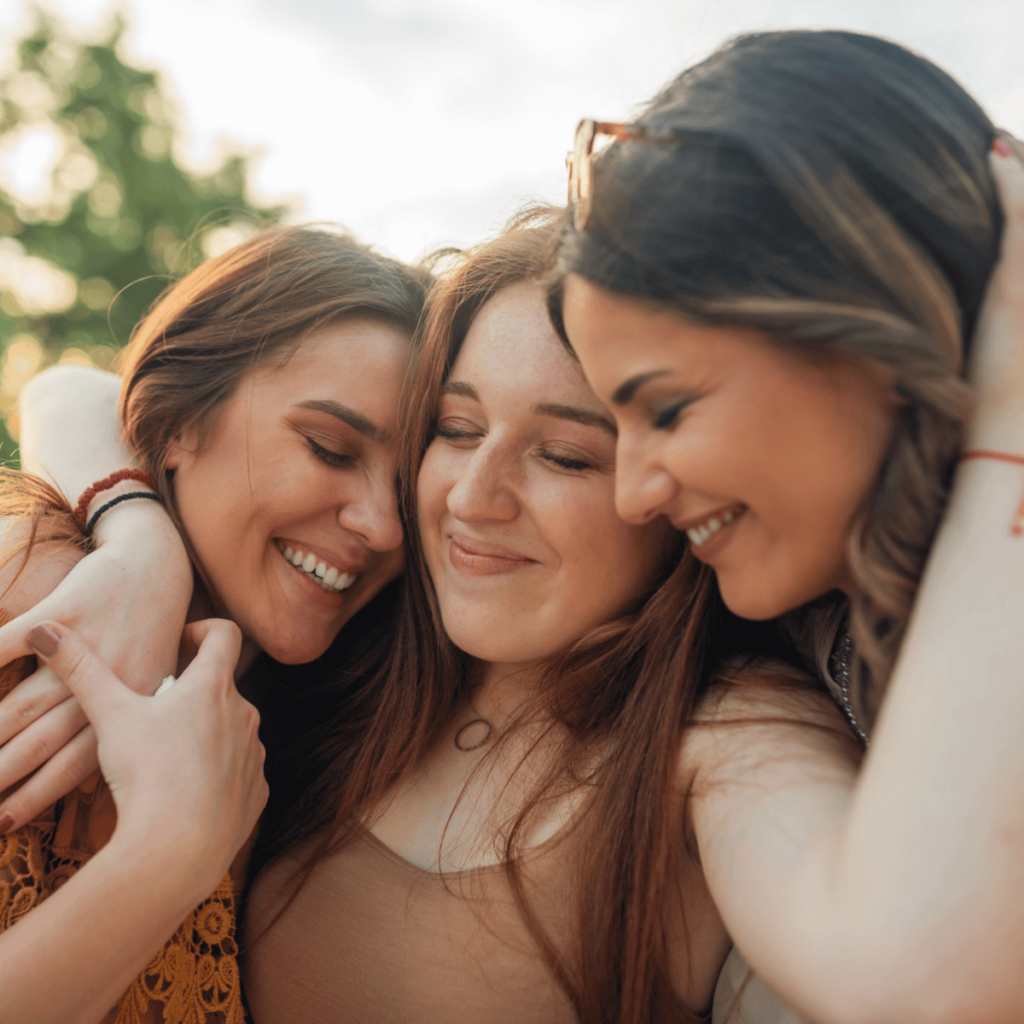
{"points": [[473, 734]]}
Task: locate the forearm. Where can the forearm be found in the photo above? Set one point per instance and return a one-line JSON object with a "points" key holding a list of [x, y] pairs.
{"points": [[913, 890], [936, 828], [70, 432], [72, 956]]}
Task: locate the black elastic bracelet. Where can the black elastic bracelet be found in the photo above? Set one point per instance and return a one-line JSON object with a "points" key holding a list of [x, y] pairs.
{"points": [[148, 495]]}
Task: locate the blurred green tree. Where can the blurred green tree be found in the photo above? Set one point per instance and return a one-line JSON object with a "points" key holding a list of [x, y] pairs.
{"points": [[109, 216]]}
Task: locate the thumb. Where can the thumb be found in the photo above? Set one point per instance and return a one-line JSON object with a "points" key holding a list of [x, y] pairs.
{"points": [[98, 690]]}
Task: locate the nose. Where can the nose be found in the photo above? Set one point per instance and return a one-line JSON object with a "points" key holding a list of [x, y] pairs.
{"points": [[373, 513], [643, 487], [483, 489]]}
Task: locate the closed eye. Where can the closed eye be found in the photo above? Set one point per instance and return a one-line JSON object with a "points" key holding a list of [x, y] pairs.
{"points": [[565, 462], [326, 455], [452, 432], [668, 417]]}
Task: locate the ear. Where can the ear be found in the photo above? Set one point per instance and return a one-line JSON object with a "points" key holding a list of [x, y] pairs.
{"points": [[183, 449]]}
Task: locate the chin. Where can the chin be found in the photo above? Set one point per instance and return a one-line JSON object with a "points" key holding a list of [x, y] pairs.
{"points": [[757, 603], [286, 651]]}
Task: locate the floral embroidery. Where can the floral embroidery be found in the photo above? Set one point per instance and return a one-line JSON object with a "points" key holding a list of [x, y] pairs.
{"points": [[192, 980]]}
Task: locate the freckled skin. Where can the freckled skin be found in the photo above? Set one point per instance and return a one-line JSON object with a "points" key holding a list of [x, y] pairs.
{"points": [[797, 442]]}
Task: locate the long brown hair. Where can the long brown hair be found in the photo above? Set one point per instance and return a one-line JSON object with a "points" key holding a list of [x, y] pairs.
{"points": [[616, 690], [832, 190], [254, 303]]}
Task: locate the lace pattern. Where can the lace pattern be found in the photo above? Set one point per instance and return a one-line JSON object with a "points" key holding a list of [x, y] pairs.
{"points": [[194, 979]]}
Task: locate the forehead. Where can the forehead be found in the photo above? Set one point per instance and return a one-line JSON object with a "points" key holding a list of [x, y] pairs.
{"points": [[351, 347], [512, 345]]}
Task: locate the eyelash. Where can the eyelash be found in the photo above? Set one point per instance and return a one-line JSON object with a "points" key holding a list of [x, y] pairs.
{"points": [[562, 461], [451, 434], [576, 465], [326, 455], [667, 418]]}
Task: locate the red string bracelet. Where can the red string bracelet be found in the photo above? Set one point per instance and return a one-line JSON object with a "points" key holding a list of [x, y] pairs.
{"points": [[1017, 524], [82, 508]]}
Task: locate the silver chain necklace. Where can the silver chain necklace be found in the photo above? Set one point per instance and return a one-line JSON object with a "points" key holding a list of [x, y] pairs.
{"points": [[839, 666]]}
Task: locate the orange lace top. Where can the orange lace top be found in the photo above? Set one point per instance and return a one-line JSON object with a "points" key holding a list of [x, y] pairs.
{"points": [[194, 978]]}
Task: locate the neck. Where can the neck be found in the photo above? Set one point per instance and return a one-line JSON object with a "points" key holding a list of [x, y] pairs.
{"points": [[500, 690]]}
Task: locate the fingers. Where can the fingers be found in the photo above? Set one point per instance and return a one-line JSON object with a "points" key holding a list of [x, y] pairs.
{"points": [[30, 700], [65, 771], [14, 640], [36, 744], [97, 688], [216, 643], [1007, 160]]}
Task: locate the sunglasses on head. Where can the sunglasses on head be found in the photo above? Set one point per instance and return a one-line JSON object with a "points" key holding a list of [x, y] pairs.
{"points": [[578, 160]]}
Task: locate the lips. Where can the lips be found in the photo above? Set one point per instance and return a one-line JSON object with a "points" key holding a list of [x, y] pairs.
{"points": [[478, 558], [330, 577]]}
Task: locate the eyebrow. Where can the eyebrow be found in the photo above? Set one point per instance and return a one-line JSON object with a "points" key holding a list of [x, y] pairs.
{"points": [[357, 421], [577, 415], [624, 392], [460, 388]]}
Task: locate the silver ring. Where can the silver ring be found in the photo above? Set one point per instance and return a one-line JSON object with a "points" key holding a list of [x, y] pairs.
{"points": [[165, 685]]}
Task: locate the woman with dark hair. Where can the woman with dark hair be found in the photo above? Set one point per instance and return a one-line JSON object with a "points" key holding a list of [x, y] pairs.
{"points": [[773, 279], [259, 400]]}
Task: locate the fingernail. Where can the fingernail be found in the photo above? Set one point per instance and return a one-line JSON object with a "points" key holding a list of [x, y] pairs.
{"points": [[6, 821], [1001, 148], [44, 640]]}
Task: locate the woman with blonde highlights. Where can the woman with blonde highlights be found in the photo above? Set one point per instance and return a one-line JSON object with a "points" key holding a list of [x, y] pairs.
{"points": [[775, 282]]}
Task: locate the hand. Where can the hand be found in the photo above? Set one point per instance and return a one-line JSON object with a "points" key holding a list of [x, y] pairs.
{"points": [[997, 363], [128, 600], [186, 768]]}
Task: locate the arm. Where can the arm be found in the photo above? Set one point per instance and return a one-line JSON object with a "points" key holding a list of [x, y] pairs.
{"points": [[70, 433], [128, 599], [185, 771], [898, 893]]}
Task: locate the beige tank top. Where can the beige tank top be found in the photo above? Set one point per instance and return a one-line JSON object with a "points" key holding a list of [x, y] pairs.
{"points": [[373, 938]]}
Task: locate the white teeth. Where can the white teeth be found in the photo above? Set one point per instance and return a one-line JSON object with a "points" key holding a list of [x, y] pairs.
{"points": [[699, 534], [330, 578]]}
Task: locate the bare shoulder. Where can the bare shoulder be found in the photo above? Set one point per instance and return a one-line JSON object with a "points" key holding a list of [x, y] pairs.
{"points": [[762, 720], [33, 563]]}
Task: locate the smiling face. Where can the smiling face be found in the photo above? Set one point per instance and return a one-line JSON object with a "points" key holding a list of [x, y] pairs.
{"points": [[516, 494], [289, 500], [762, 456]]}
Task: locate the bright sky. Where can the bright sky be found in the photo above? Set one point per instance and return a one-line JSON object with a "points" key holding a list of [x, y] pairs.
{"points": [[421, 123]]}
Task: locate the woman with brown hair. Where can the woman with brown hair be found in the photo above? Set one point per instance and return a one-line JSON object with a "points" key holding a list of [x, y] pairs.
{"points": [[774, 280], [259, 400], [481, 848]]}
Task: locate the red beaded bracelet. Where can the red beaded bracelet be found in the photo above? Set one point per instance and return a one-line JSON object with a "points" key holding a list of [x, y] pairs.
{"points": [[1017, 523], [82, 508]]}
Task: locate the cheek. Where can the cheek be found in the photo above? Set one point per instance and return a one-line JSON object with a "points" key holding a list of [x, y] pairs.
{"points": [[608, 563], [433, 484]]}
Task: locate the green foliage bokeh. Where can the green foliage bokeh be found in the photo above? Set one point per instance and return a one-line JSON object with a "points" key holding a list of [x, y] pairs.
{"points": [[120, 217]]}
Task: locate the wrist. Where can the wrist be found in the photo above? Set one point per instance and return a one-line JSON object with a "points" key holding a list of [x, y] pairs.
{"points": [[998, 426], [145, 526], [161, 863]]}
